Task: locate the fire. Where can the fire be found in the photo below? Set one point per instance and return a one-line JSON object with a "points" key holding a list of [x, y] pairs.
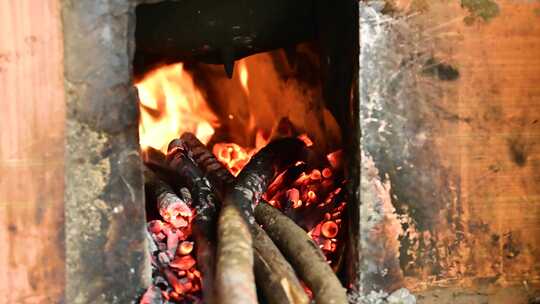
{"points": [[243, 76], [171, 104], [232, 155], [235, 157]]}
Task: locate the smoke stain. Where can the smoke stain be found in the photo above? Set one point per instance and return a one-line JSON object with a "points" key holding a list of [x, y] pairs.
{"points": [[510, 247], [442, 71], [518, 151]]}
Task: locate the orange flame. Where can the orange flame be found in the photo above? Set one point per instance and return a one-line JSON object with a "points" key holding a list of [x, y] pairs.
{"points": [[171, 104], [244, 76]]}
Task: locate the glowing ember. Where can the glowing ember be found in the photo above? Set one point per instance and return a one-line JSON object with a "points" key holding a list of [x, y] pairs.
{"points": [[232, 155], [177, 214], [185, 248], [293, 196], [315, 175], [327, 173], [329, 229], [306, 140], [314, 200], [235, 157], [183, 262], [171, 104], [335, 159], [155, 226], [174, 260], [311, 196]]}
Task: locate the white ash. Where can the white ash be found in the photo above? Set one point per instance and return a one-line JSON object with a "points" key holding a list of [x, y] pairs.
{"points": [[400, 296]]}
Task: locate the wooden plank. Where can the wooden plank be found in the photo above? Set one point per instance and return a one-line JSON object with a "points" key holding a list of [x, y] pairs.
{"points": [[493, 147], [460, 150], [31, 152]]}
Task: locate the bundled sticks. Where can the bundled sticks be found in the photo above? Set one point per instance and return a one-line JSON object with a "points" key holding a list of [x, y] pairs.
{"points": [[247, 255], [235, 249], [311, 264]]}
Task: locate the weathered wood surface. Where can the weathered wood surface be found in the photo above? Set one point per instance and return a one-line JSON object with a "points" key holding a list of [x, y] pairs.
{"points": [[455, 123], [31, 152]]}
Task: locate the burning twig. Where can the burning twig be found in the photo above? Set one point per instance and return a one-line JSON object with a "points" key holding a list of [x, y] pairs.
{"points": [[205, 203], [218, 175], [273, 273], [303, 253], [170, 206], [261, 169]]}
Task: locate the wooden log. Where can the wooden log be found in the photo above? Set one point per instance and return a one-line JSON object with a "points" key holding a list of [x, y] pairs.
{"points": [[305, 256], [273, 274], [205, 203], [205, 200], [235, 281]]}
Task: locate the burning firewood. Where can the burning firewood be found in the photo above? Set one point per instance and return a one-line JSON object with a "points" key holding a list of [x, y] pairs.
{"points": [[235, 252], [272, 271], [285, 178], [170, 206], [252, 182], [309, 218], [218, 175], [242, 245], [205, 203], [274, 275], [305, 256], [154, 158]]}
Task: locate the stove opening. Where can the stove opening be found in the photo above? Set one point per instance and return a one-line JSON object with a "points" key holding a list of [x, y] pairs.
{"points": [[247, 192]]}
